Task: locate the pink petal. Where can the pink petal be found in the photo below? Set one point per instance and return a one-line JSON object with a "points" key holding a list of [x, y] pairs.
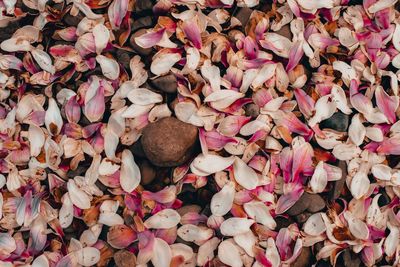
{"points": [[286, 201], [387, 104], [116, 12], [150, 39], [305, 102], [73, 110], [250, 48], [295, 55], [192, 32]]}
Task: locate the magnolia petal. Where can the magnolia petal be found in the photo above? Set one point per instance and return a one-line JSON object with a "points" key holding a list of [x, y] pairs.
{"points": [[212, 74], [43, 60], [78, 197], [15, 45], [209, 164], [246, 241], [357, 227], [130, 174], [221, 202], [163, 219], [109, 67], [222, 99], [163, 255], [41, 261], [53, 119], [244, 175], [66, 213], [235, 226], [382, 172], [359, 185], [392, 240], [142, 96], [101, 36], [319, 179], [163, 62], [387, 104], [36, 139], [229, 254], [117, 11], [194, 233], [314, 225], [88, 256], [380, 5], [272, 253], [7, 245], [206, 251], [258, 211]]}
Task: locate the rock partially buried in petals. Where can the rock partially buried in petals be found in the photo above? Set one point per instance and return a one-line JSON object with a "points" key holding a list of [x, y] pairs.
{"points": [[339, 184], [169, 142], [243, 15], [124, 258], [303, 260], [143, 22], [147, 171], [351, 259], [338, 122], [142, 5], [309, 202], [136, 47], [165, 83]]}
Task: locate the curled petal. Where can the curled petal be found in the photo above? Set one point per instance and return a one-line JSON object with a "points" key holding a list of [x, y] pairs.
{"points": [[117, 11], [109, 67], [258, 211], [209, 164], [244, 175], [164, 219], [387, 104], [319, 180], [221, 202], [130, 174]]}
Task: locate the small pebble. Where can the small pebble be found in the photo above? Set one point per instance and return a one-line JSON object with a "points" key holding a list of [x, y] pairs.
{"points": [[124, 258], [165, 83], [338, 122], [138, 49]]}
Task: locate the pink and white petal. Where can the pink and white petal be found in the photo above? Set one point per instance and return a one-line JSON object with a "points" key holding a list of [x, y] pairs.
{"points": [[222, 201], [246, 241], [163, 255], [53, 119], [36, 139], [295, 54], [319, 179], [387, 104], [121, 236], [130, 176], [192, 31], [382, 172], [150, 39], [229, 254], [206, 251], [314, 226], [101, 36], [78, 197], [210, 164], [87, 256], [287, 200], [357, 227], [231, 125], [244, 175], [117, 11], [359, 185], [109, 67], [163, 219], [236, 226], [222, 99], [143, 97], [163, 62], [380, 5], [258, 211], [194, 233], [392, 240], [357, 130]]}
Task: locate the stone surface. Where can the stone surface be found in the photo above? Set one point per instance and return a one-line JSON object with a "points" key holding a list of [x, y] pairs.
{"points": [[309, 202], [252, 110], [138, 49], [338, 122], [147, 172], [304, 259], [165, 83], [351, 259], [124, 258], [285, 31], [7, 32], [302, 217], [73, 20], [169, 142], [243, 15], [339, 184], [141, 5], [143, 22]]}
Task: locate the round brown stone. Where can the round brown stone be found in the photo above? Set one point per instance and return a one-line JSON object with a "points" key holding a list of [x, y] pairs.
{"points": [[124, 258], [169, 142], [136, 47]]}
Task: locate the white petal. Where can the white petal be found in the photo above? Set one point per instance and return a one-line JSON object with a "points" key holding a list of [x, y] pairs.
{"points": [[134, 110], [206, 251], [396, 37], [36, 139], [221, 202], [209, 164], [41, 261], [382, 172], [272, 253], [78, 197], [340, 99], [392, 240], [222, 99], [101, 36], [108, 167], [314, 225], [142, 96], [264, 74], [164, 219], [319, 179], [88, 256], [15, 44], [229, 254], [244, 175], [246, 241], [359, 185], [374, 133], [163, 62], [194, 233], [356, 226], [53, 119], [357, 130], [380, 5], [346, 151], [258, 211], [212, 74], [66, 214], [44, 60], [183, 250], [110, 219], [109, 67], [324, 109], [235, 226], [163, 255], [130, 173]]}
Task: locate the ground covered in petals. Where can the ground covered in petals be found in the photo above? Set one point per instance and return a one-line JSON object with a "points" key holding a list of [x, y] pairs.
{"points": [[172, 133]]}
